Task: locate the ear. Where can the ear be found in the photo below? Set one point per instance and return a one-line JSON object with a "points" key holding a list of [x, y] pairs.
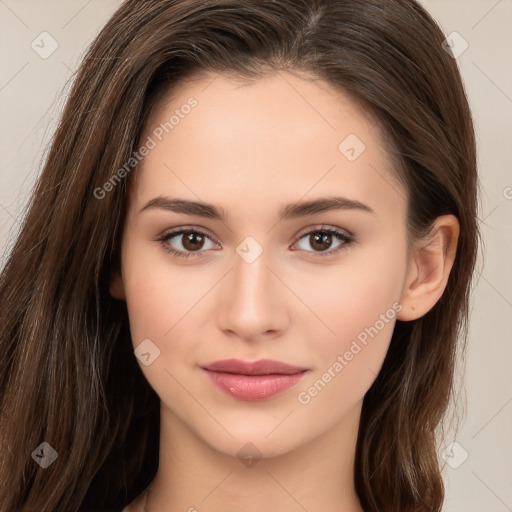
{"points": [[429, 268], [117, 286]]}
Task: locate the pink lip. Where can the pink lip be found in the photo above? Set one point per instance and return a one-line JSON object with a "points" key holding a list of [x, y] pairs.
{"points": [[253, 381]]}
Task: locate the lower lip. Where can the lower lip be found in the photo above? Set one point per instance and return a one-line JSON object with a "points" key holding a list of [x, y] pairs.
{"points": [[253, 388]]}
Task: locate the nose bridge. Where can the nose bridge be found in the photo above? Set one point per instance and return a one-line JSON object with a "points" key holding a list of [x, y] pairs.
{"points": [[251, 305]]}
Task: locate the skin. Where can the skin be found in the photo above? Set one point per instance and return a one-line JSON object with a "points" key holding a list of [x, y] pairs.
{"points": [[251, 148]]}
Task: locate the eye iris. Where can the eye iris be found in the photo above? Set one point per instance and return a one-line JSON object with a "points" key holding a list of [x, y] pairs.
{"points": [[191, 239], [318, 241]]}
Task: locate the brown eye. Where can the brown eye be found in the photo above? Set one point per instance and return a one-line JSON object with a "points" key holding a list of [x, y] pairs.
{"points": [[191, 243], [321, 240]]}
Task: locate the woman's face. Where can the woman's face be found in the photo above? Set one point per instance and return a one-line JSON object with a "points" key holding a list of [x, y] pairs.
{"points": [[263, 282]]}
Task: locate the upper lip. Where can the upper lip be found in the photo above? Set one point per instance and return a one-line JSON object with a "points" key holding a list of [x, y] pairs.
{"points": [[261, 367]]}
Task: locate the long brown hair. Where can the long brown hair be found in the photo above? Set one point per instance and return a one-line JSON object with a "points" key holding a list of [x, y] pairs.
{"points": [[68, 375]]}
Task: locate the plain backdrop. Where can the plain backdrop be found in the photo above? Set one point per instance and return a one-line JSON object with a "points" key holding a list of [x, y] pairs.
{"points": [[33, 87]]}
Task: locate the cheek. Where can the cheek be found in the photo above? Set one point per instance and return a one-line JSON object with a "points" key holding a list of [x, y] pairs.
{"points": [[150, 307], [358, 291], [347, 360], [158, 294], [358, 307], [160, 301]]}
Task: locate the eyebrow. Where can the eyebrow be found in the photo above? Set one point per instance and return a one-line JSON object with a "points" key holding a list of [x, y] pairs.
{"points": [[289, 211]]}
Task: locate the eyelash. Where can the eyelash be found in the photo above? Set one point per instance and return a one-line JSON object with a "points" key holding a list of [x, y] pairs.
{"points": [[346, 239]]}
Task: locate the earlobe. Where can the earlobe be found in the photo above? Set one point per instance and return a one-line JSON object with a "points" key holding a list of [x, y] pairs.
{"points": [[117, 286], [429, 268]]}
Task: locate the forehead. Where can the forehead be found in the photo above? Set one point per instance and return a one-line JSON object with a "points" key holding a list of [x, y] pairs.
{"points": [[273, 140]]}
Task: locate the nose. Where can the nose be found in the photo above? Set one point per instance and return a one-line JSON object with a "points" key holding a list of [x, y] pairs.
{"points": [[253, 302]]}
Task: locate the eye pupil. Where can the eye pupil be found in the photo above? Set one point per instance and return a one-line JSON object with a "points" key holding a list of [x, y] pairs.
{"points": [[193, 241], [320, 240]]}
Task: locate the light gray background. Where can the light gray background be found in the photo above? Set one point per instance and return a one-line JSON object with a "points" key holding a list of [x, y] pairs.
{"points": [[32, 92]]}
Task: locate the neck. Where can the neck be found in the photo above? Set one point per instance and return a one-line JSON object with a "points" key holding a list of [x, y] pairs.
{"points": [[315, 476]]}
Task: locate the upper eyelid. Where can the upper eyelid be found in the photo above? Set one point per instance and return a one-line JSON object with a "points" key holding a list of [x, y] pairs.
{"points": [[323, 227], [183, 229]]}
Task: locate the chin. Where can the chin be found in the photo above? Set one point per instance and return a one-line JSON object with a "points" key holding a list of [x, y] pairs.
{"points": [[261, 439]]}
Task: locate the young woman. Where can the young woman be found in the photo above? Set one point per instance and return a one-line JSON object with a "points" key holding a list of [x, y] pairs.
{"points": [[243, 277]]}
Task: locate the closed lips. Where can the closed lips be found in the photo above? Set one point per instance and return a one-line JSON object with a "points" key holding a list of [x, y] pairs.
{"points": [[260, 367], [253, 381]]}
